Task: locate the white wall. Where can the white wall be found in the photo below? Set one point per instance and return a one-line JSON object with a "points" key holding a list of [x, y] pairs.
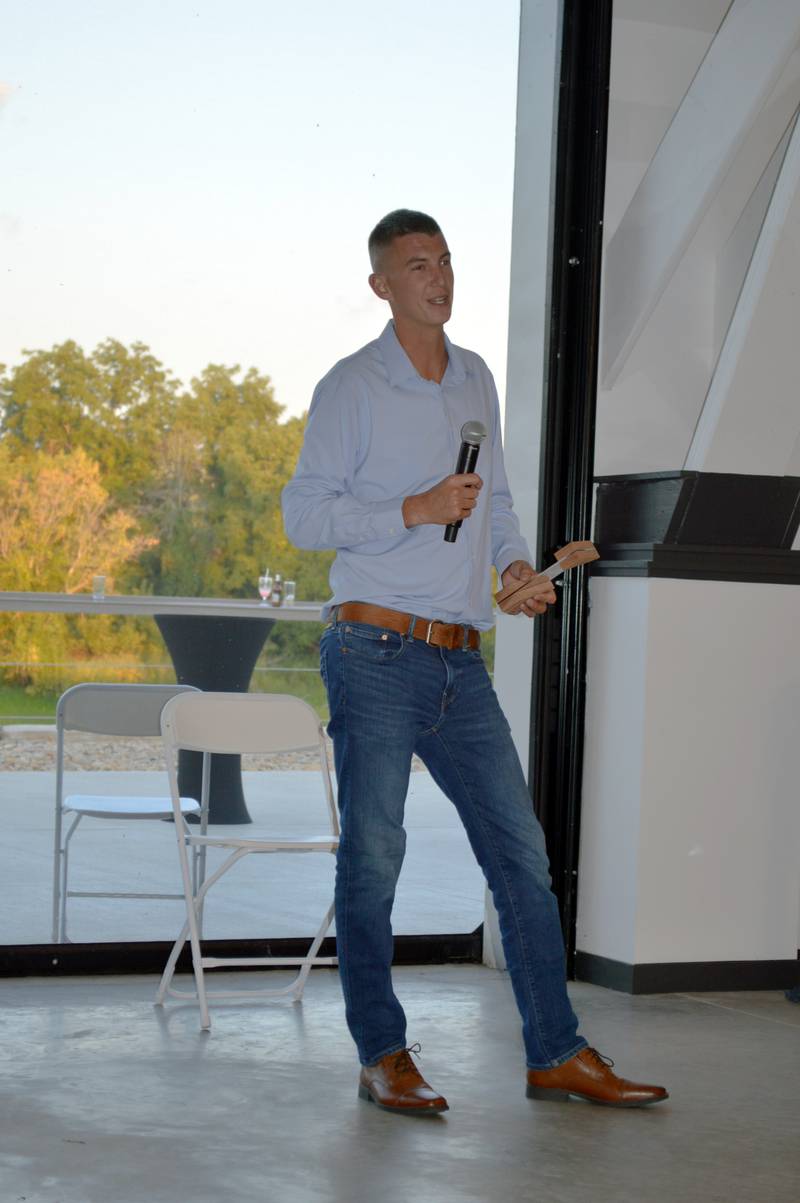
{"points": [[690, 829], [539, 55], [690, 843], [614, 735]]}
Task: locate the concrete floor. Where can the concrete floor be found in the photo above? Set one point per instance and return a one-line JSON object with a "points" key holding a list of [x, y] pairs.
{"points": [[106, 1099]]}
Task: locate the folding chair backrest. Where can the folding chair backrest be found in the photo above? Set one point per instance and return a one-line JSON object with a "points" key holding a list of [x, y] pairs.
{"points": [[116, 709], [241, 722]]}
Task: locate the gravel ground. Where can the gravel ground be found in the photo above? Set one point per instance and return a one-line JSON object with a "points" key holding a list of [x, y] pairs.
{"points": [[33, 749]]}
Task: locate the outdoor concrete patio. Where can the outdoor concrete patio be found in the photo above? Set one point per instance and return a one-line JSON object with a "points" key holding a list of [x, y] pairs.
{"points": [[441, 888]]}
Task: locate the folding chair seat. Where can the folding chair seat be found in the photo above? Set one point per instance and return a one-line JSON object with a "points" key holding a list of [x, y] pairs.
{"points": [[98, 709], [241, 723]]}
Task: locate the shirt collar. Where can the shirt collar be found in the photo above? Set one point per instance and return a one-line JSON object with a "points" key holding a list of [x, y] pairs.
{"points": [[400, 367]]}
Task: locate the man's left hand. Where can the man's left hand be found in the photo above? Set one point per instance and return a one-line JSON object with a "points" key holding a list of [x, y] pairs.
{"points": [[521, 570]]}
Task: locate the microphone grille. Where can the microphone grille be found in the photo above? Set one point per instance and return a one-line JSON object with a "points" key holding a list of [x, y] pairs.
{"points": [[473, 431]]}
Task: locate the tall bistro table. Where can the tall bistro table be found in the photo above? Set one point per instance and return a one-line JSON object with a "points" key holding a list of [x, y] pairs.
{"points": [[214, 644]]}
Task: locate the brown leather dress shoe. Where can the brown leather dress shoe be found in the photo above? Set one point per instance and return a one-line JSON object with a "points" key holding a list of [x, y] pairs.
{"points": [[395, 1084], [588, 1076]]}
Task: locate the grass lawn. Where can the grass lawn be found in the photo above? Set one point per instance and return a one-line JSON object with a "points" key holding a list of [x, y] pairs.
{"points": [[303, 684], [17, 706]]}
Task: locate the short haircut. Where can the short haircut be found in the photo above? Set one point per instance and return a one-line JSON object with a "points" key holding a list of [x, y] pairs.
{"points": [[395, 225]]}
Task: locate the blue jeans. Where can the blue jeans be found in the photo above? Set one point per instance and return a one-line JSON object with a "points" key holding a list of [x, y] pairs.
{"points": [[390, 697]]}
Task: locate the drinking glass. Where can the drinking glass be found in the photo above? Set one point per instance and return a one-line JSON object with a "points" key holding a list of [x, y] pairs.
{"points": [[265, 587], [98, 587], [288, 593]]}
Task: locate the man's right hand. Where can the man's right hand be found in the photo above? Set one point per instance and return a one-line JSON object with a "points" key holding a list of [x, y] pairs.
{"points": [[452, 499]]}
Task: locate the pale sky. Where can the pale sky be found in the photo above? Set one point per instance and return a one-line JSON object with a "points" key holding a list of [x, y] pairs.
{"points": [[203, 176]]}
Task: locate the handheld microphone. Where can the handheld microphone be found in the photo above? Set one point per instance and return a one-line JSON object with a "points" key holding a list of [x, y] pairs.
{"points": [[472, 435]]}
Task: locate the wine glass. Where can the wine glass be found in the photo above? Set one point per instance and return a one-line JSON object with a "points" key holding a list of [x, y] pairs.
{"points": [[265, 587]]}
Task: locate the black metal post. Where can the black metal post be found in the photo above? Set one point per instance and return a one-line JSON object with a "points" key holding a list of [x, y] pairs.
{"points": [[558, 685]]}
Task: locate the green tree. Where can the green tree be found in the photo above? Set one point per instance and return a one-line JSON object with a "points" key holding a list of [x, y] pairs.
{"points": [[58, 528], [116, 405], [215, 502], [199, 469]]}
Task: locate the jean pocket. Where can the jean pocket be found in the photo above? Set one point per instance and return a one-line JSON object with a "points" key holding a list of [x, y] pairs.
{"points": [[327, 646], [370, 643]]}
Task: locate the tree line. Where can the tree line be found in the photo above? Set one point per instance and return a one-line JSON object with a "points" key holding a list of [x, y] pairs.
{"points": [[110, 464]]}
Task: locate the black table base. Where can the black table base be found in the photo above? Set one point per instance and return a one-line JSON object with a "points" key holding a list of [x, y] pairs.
{"points": [[216, 655]]}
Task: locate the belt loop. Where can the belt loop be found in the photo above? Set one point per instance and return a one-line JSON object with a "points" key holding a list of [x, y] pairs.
{"points": [[412, 622], [465, 638]]}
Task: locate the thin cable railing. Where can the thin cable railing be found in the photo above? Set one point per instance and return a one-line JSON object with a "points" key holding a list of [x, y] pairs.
{"points": [[72, 672], [115, 666], [79, 668]]}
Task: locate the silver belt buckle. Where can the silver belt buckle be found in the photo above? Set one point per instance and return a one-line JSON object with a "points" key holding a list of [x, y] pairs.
{"points": [[431, 625]]}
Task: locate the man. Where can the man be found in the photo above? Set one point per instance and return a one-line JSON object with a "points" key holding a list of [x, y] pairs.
{"points": [[403, 672]]}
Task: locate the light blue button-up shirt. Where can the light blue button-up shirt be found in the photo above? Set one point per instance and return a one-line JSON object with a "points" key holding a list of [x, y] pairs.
{"points": [[378, 432]]}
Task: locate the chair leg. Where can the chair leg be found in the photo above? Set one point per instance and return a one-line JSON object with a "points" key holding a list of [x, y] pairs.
{"points": [[197, 901], [169, 969], [191, 930], [194, 932], [62, 924], [199, 977], [305, 969], [57, 877], [58, 898], [62, 929], [201, 881]]}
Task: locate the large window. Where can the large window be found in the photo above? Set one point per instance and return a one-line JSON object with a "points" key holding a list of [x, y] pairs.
{"points": [[187, 194]]}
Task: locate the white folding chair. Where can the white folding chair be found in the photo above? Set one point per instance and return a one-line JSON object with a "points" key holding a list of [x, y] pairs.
{"points": [[241, 723], [121, 710]]}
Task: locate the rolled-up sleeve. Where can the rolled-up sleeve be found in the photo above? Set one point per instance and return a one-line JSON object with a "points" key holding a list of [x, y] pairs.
{"points": [[319, 508]]}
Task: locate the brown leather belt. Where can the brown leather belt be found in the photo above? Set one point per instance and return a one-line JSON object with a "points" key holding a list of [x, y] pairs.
{"points": [[429, 630]]}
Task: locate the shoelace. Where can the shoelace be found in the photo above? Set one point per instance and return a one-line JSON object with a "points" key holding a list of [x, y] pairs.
{"points": [[599, 1058], [403, 1061]]}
